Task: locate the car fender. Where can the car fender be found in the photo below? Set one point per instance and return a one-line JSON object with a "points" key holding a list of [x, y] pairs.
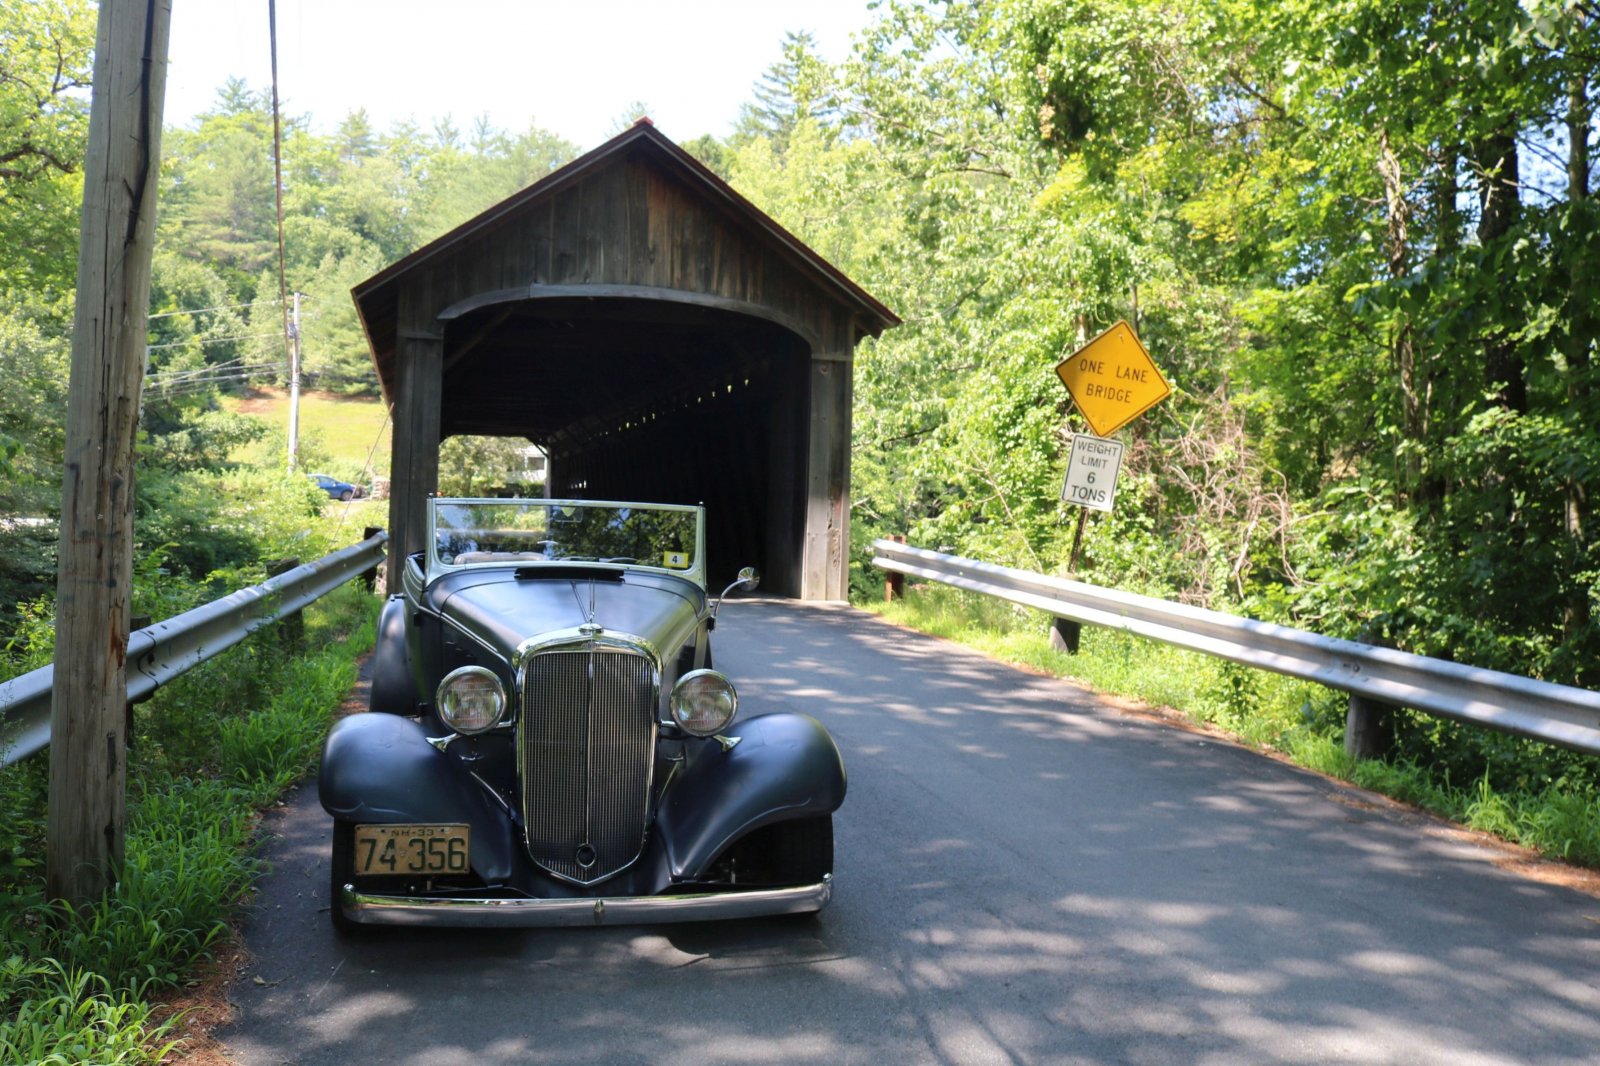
{"points": [[785, 766], [380, 768], [393, 689]]}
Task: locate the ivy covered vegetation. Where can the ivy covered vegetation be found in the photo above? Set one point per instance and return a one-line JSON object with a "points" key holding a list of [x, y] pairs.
{"points": [[1359, 236]]}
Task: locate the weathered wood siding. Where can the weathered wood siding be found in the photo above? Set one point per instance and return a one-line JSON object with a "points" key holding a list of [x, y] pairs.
{"points": [[766, 446]]}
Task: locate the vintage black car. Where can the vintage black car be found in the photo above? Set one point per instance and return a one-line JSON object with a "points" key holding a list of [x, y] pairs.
{"points": [[549, 745]]}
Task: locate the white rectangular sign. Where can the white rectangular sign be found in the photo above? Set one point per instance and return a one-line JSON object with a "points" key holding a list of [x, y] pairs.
{"points": [[1092, 469]]}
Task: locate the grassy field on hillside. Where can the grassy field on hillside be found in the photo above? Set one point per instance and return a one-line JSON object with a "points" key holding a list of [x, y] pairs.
{"points": [[346, 436]]}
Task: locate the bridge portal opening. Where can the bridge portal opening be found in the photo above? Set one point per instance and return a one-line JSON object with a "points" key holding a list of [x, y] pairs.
{"points": [[651, 401]]}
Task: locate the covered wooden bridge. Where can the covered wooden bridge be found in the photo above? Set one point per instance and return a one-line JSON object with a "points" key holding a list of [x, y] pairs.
{"points": [[657, 335]]}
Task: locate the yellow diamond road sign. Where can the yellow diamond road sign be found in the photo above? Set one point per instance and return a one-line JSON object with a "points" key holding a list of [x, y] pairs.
{"points": [[1113, 380]]}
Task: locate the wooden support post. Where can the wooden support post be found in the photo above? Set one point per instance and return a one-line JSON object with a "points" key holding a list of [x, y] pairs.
{"points": [[1368, 728], [88, 715], [414, 448], [1065, 635], [825, 573], [291, 627], [369, 578], [1369, 723], [894, 587]]}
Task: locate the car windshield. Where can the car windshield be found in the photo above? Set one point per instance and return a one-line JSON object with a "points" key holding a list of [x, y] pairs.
{"points": [[466, 532]]}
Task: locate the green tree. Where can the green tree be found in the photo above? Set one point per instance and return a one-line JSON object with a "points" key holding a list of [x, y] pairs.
{"points": [[45, 65]]}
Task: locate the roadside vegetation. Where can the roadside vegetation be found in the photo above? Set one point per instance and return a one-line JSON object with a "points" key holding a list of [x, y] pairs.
{"points": [[1532, 794], [1360, 238], [208, 752]]}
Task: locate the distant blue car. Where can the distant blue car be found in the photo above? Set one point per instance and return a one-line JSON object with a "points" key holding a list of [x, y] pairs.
{"points": [[336, 489]]}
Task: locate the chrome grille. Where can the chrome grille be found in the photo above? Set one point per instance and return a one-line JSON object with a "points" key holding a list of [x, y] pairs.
{"points": [[586, 743]]}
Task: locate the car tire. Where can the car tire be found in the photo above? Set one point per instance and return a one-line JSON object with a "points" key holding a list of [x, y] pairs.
{"points": [[341, 872], [346, 495], [802, 852]]}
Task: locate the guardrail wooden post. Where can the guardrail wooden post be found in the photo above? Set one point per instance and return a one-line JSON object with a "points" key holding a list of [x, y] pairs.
{"points": [[293, 628], [894, 586], [1369, 723], [369, 578], [1368, 728], [1065, 635]]}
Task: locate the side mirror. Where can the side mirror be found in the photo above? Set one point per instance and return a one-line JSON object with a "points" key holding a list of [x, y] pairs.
{"points": [[748, 578]]}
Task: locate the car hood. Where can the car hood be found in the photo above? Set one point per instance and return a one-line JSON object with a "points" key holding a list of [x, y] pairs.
{"points": [[502, 610]]}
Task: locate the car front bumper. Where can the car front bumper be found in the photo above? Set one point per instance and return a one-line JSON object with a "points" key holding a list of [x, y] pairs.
{"points": [[368, 909]]}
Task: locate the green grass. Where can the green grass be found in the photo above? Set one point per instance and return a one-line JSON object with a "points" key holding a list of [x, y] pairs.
{"points": [[337, 433], [1558, 817], [210, 751]]}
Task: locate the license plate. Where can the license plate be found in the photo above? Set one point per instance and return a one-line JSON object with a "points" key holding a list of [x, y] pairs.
{"points": [[411, 849]]}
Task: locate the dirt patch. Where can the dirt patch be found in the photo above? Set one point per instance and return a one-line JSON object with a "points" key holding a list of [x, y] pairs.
{"points": [[203, 1006], [260, 400]]}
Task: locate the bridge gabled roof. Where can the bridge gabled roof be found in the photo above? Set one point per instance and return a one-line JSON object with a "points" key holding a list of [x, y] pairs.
{"points": [[378, 298]]}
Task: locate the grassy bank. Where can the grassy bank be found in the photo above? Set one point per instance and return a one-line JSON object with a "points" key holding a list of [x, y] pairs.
{"points": [[207, 753], [1528, 793], [346, 436]]}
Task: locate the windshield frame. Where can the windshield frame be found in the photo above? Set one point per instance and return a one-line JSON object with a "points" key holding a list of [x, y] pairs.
{"points": [[437, 566]]}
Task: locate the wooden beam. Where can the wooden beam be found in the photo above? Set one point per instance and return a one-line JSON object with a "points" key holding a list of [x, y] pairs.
{"points": [[826, 545], [483, 333], [414, 447], [88, 724]]}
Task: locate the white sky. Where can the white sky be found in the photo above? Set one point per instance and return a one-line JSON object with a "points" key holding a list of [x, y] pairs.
{"points": [[571, 67]]}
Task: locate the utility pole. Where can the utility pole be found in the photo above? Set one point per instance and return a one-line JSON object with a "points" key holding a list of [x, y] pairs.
{"points": [[88, 742], [294, 386]]}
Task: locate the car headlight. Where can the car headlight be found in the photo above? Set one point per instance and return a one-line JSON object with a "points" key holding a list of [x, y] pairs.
{"points": [[471, 699], [703, 702]]}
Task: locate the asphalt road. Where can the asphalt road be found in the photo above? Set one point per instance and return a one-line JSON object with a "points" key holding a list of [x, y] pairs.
{"points": [[1024, 875]]}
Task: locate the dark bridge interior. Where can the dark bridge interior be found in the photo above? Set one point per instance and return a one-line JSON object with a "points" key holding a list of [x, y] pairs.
{"points": [[650, 401]]}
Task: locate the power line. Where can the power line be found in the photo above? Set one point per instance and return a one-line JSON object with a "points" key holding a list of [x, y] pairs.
{"points": [[189, 388], [219, 307], [203, 341], [202, 384], [210, 368]]}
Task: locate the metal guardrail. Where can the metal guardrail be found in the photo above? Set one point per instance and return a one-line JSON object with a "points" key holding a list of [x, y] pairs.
{"points": [[1557, 714], [160, 652]]}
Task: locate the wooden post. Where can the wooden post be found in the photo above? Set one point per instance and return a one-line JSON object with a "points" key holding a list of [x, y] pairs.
{"points": [[894, 586], [825, 566], [1368, 728], [292, 629], [1369, 723], [88, 772], [1065, 635], [414, 448], [369, 578]]}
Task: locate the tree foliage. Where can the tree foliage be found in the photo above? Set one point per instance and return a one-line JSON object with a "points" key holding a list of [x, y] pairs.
{"points": [[1359, 237]]}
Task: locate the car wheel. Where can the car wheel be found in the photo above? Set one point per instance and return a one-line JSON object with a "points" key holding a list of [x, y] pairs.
{"points": [[346, 495], [341, 872], [803, 850]]}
